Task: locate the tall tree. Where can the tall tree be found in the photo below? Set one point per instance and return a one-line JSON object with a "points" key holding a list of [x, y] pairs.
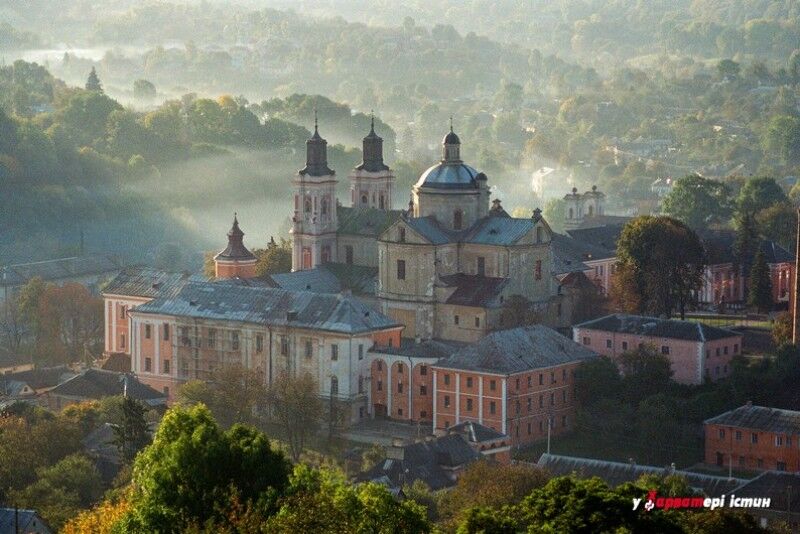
{"points": [[759, 293], [131, 434], [295, 404], [276, 258], [660, 265], [698, 201], [758, 193], [93, 82], [234, 395]]}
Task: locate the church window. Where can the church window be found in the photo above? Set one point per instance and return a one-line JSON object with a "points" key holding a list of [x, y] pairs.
{"points": [[538, 272], [481, 266], [458, 219], [348, 254], [401, 269], [539, 238], [259, 343], [306, 257], [402, 235], [147, 331], [591, 211], [570, 213], [477, 322], [364, 199], [307, 205], [324, 206], [334, 352], [455, 319], [326, 254], [296, 202], [309, 348], [382, 202]]}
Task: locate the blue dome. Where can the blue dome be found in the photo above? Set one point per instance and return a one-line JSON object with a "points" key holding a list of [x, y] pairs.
{"points": [[449, 176]]}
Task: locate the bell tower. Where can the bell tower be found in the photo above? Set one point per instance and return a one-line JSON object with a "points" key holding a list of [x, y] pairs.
{"points": [[314, 219], [372, 182]]}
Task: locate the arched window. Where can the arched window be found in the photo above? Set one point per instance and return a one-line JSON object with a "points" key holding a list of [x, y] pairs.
{"points": [[591, 211], [381, 202], [326, 254], [307, 205], [402, 238], [364, 199], [458, 219], [325, 206], [334, 386], [570, 213]]}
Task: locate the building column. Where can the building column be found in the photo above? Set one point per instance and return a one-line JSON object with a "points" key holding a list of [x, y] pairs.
{"points": [[389, 387], [503, 405], [458, 398], [434, 400], [114, 326], [480, 399]]}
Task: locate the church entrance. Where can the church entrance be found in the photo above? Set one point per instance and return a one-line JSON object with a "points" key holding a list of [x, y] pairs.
{"points": [[306, 258]]}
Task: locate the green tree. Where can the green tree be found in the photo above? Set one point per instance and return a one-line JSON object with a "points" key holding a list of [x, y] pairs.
{"points": [[143, 90], [778, 223], [193, 470], [698, 201], [782, 329], [759, 193], [783, 137], [645, 371], [759, 294], [660, 266], [728, 68], [131, 434], [93, 82], [597, 378], [234, 395], [276, 258], [555, 212], [295, 405], [321, 501]]}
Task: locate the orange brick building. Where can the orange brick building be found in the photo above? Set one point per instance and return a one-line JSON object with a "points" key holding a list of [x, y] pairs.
{"points": [[516, 382], [754, 437]]}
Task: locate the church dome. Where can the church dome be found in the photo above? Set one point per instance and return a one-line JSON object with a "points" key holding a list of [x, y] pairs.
{"points": [[446, 175], [451, 138]]}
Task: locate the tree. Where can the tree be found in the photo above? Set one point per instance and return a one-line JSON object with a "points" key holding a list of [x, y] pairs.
{"points": [[698, 201], [100, 519], [131, 434], [555, 212], [321, 501], [782, 329], [143, 90], [759, 293], [728, 68], [777, 223], [747, 238], [276, 258], [93, 82], [71, 322], [660, 265], [759, 193], [234, 395], [783, 138], [597, 378], [645, 371], [192, 470], [295, 404]]}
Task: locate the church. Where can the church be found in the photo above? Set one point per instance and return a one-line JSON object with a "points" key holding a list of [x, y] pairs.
{"points": [[407, 314], [445, 266]]}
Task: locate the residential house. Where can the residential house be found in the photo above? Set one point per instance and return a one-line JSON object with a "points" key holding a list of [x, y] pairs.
{"points": [[19, 521], [95, 384], [697, 351]]}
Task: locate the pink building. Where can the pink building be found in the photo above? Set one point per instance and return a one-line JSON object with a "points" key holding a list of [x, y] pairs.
{"points": [[697, 351]]}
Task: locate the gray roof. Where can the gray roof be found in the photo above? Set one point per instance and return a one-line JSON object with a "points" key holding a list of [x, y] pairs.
{"points": [[147, 282], [475, 432], [777, 486], [569, 254], [655, 327], [263, 305], [429, 228], [498, 230], [364, 221], [602, 236], [474, 290], [41, 378], [517, 350], [427, 461], [616, 473], [59, 269], [760, 418], [29, 521], [329, 278], [449, 175], [96, 384], [428, 348]]}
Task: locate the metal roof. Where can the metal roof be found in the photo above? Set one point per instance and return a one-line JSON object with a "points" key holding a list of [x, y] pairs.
{"points": [[475, 432], [97, 383], [147, 282], [429, 228], [760, 418], [569, 254], [474, 290], [449, 175], [780, 487], [655, 327], [272, 306], [428, 348], [495, 230], [29, 521], [517, 350], [365, 221], [59, 269], [616, 473]]}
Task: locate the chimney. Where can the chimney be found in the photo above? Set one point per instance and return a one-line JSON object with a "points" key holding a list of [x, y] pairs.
{"points": [[795, 314]]}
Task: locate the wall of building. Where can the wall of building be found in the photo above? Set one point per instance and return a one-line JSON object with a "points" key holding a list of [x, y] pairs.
{"points": [[398, 394], [461, 323], [234, 269], [690, 359], [117, 322], [773, 451], [364, 249], [519, 405]]}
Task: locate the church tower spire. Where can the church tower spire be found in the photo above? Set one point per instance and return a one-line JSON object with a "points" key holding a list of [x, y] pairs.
{"points": [[314, 221], [372, 182], [236, 261]]}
